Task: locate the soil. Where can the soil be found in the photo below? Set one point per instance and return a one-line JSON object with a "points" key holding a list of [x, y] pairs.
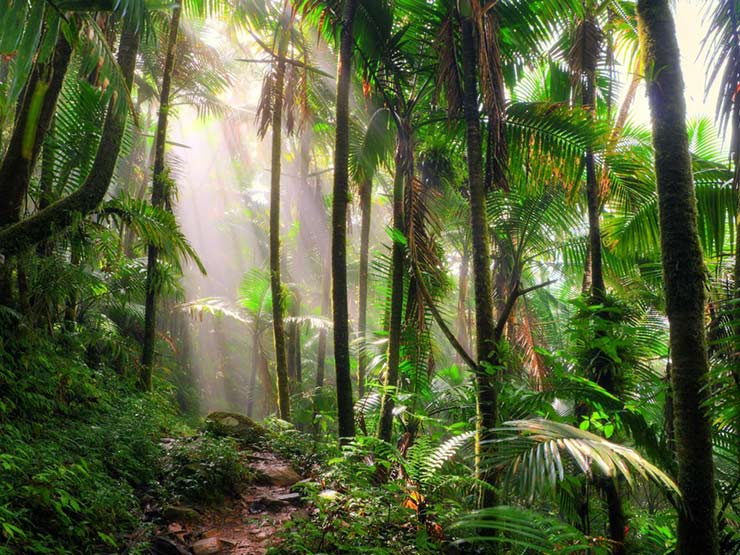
{"points": [[246, 525]]}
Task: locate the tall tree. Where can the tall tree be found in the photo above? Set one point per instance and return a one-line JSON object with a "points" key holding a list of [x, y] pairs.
{"points": [[159, 195], [486, 344], [339, 225], [404, 172], [584, 60], [278, 304], [683, 273]]}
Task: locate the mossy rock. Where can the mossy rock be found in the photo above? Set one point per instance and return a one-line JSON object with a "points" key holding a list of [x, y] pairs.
{"points": [[232, 424], [178, 513]]}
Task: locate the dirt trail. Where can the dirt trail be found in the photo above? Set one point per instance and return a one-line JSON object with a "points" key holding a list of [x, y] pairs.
{"points": [[242, 526]]}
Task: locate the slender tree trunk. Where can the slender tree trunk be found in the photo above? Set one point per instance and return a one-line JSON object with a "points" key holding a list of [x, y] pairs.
{"points": [[298, 358], [268, 385], [385, 424], [159, 193], [290, 337], [598, 289], [486, 402], [294, 347], [254, 369], [463, 330], [61, 214], [366, 192], [325, 301], [35, 113], [281, 360], [339, 226], [601, 370], [683, 272]]}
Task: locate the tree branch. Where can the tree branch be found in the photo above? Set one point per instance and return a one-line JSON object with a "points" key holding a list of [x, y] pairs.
{"points": [[511, 301], [459, 349]]}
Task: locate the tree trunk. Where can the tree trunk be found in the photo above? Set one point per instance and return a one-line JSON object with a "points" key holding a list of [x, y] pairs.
{"points": [[683, 272], [385, 424], [486, 402], [325, 301], [601, 370], [252, 393], [294, 346], [268, 385], [159, 193], [281, 360], [35, 113], [61, 214], [463, 330], [366, 192], [339, 227]]}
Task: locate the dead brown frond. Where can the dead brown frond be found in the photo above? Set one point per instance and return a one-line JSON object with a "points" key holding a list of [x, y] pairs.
{"points": [[583, 56], [265, 106], [448, 71]]}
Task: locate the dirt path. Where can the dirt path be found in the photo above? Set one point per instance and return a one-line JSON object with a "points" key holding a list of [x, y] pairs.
{"points": [[242, 526]]}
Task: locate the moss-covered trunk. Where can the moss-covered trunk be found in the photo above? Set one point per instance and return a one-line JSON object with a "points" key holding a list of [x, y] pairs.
{"points": [[35, 113], [339, 226], [61, 214], [278, 328], [683, 273]]}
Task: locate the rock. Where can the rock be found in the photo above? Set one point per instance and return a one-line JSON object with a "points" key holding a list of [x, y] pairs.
{"points": [[164, 546], [179, 513], [272, 503], [235, 425], [210, 534], [282, 476], [292, 498], [207, 546]]}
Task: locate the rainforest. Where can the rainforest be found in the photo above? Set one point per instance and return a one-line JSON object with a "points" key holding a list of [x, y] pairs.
{"points": [[389, 277]]}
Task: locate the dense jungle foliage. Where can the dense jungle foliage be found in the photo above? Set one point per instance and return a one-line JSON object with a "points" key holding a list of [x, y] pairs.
{"points": [[367, 276]]}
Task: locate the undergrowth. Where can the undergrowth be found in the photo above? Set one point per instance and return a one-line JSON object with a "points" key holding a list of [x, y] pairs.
{"points": [[79, 449], [356, 509]]}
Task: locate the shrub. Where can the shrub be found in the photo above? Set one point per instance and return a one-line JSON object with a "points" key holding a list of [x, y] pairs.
{"points": [[202, 469]]}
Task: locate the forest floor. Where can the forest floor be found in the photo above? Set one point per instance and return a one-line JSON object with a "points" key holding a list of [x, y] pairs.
{"points": [[243, 525]]}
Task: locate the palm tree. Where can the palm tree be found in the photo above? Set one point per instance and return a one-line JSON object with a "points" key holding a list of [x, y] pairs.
{"points": [[159, 196], [486, 343], [339, 225], [404, 171], [271, 111], [583, 59], [253, 309], [683, 272]]}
